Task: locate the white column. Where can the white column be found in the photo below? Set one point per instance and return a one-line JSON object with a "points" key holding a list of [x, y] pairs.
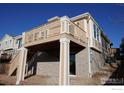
{"points": [[24, 63], [91, 32], [64, 25], [21, 65], [90, 44], [64, 61]]}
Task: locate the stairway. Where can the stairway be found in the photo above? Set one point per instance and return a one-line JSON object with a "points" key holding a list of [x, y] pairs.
{"points": [[18, 62], [13, 63]]}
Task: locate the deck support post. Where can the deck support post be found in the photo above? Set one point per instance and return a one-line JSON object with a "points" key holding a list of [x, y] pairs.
{"points": [[21, 65], [64, 61]]}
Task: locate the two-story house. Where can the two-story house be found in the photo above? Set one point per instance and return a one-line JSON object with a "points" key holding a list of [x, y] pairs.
{"points": [[62, 49]]}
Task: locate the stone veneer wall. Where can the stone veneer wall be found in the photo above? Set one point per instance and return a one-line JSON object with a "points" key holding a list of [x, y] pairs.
{"points": [[97, 61], [82, 67], [50, 70], [48, 66]]}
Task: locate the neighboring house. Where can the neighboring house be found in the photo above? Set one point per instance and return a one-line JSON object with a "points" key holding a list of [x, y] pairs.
{"points": [[8, 44], [63, 49]]}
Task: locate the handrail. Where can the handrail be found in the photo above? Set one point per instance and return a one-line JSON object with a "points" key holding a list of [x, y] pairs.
{"points": [[15, 56], [13, 63]]}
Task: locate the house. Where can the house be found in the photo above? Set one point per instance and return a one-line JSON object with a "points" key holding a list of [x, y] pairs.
{"points": [[9, 42], [62, 49]]}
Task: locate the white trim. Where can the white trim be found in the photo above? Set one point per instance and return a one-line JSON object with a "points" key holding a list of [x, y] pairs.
{"points": [[72, 75], [64, 24], [24, 63], [91, 32], [64, 40]]}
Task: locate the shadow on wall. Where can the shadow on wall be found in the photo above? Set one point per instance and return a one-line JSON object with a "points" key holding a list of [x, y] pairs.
{"points": [[117, 77], [44, 56]]}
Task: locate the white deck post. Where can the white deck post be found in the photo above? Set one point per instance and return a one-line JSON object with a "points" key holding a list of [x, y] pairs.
{"points": [[64, 61], [21, 65]]}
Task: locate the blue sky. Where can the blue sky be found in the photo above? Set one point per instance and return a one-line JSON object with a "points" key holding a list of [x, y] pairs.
{"points": [[18, 18]]}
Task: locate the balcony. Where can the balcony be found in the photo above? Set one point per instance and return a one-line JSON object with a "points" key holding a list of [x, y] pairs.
{"points": [[54, 31]]}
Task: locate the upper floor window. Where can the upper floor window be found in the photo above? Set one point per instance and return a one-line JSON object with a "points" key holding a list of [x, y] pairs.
{"points": [[98, 34], [94, 27], [6, 42], [16, 41]]}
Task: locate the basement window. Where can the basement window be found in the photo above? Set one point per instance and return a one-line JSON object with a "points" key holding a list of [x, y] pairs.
{"points": [[72, 64]]}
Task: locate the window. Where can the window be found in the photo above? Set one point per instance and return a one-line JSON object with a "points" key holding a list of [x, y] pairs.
{"points": [[10, 41], [16, 41], [6, 42], [98, 34], [94, 26]]}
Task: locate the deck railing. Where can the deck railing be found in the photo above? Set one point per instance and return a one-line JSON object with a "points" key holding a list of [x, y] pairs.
{"points": [[43, 32], [97, 44], [53, 29], [77, 32]]}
